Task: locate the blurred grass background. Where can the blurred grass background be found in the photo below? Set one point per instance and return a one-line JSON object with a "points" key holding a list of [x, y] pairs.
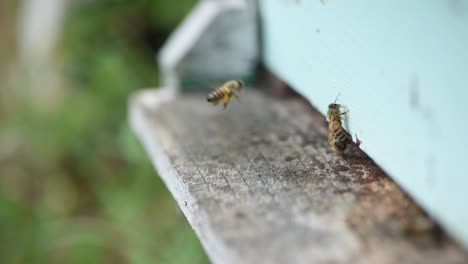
{"points": [[75, 184]]}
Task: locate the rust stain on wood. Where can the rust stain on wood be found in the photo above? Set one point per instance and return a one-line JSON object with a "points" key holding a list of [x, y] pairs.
{"points": [[264, 186]]}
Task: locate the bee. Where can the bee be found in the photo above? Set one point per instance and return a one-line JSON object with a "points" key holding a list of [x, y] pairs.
{"points": [[338, 137], [334, 113], [225, 92]]}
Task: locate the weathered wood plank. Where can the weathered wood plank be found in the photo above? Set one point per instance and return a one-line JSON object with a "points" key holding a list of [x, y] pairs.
{"points": [[412, 54], [259, 184]]}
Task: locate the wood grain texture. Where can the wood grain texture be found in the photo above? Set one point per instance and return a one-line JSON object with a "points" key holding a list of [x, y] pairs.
{"points": [[401, 70], [259, 184]]}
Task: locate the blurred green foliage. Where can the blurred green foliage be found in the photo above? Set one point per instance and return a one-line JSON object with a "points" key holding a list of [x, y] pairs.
{"points": [[75, 185]]}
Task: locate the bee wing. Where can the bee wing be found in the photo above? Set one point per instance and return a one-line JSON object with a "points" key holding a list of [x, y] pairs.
{"points": [[349, 138]]}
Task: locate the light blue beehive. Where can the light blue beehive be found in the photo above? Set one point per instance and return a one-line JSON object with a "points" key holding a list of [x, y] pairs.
{"points": [[402, 70]]}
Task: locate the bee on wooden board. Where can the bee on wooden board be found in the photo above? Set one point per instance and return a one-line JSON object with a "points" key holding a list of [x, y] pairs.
{"points": [[226, 92], [338, 137]]}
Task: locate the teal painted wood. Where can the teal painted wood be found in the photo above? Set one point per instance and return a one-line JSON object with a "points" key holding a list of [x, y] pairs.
{"points": [[216, 42], [402, 70]]}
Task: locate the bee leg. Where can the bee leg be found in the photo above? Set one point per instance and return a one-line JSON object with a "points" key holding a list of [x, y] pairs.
{"points": [[331, 140], [215, 103], [345, 112], [237, 95], [337, 150], [333, 143], [226, 100]]}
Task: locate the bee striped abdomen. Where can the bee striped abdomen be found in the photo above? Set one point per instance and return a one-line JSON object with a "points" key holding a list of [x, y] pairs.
{"points": [[215, 95], [343, 136]]}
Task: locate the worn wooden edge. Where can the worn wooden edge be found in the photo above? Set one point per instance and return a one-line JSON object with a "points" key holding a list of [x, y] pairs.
{"points": [[148, 102], [152, 99]]}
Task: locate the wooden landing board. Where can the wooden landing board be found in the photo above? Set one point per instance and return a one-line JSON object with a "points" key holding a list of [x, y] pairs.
{"points": [[401, 69], [259, 184]]}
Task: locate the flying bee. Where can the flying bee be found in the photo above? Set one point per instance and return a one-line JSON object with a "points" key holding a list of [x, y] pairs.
{"points": [[225, 92], [338, 137]]}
